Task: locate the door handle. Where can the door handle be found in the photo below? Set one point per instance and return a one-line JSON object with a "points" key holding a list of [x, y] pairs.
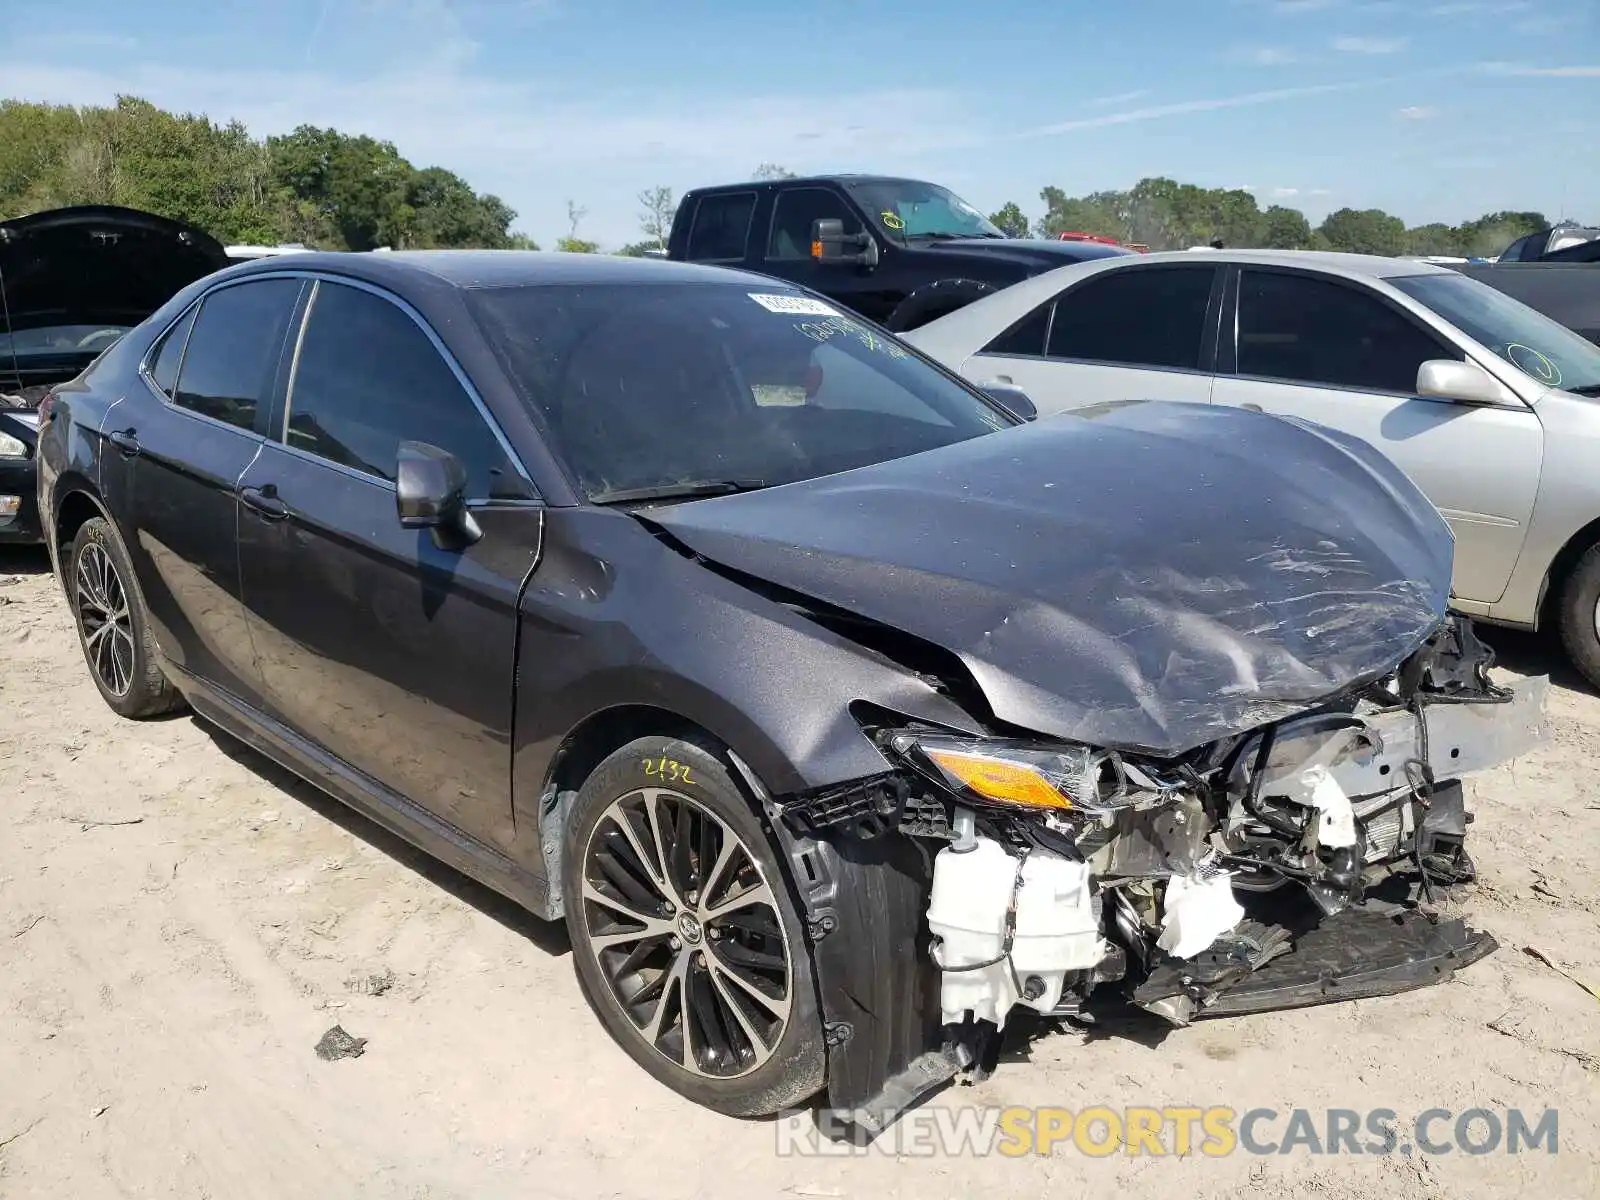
{"points": [[264, 500], [125, 441]]}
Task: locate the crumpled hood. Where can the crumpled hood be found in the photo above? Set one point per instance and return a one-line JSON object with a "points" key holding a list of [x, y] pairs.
{"points": [[1143, 575], [98, 264]]}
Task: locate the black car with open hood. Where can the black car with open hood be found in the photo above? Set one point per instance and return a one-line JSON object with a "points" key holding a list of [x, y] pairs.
{"points": [[843, 713], [73, 281]]}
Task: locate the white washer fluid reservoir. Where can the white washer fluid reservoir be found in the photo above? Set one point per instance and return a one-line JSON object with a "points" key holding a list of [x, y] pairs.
{"points": [[1056, 928]]}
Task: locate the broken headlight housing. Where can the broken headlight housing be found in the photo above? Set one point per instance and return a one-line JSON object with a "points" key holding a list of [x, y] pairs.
{"points": [[1019, 775]]}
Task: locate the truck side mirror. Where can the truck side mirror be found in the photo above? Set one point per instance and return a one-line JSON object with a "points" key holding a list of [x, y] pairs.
{"points": [[831, 244]]}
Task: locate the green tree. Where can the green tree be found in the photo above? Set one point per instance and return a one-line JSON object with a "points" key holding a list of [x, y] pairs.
{"points": [[316, 186], [357, 184], [769, 170], [575, 245], [1436, 238], [639, 249], [520, 241], [1011, 221], [656, 218], [1098, 214], [1368, 231], [1494, 232], [1285, 229], [447, 212]]}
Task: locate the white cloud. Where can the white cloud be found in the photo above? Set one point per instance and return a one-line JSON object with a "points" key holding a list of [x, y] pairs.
{"points": [[1591, 72], [1301, 6], [1546, 24], [1319, 192], [1418, 112], [1183, 107], [1119, 98], [1268, 56], [57, 41], [1282, 193], [1370, 45]]}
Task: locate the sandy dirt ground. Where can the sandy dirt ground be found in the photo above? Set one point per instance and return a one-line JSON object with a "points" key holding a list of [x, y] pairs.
{"points": [[180, 921]]}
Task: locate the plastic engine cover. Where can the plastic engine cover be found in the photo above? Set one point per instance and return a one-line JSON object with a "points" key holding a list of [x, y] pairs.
{"points": [[1057, 929]]}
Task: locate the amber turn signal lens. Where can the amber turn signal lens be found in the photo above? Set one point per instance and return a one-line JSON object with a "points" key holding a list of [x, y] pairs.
{"points": [[1004, 782]]}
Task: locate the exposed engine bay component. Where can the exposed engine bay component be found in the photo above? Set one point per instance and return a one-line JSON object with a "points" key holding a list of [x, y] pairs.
{"points": [[1284, 865], [1008, 929], [1197, 872]]}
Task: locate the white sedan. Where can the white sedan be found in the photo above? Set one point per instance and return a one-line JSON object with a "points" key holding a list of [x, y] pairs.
{"points": [[1489, 406]]}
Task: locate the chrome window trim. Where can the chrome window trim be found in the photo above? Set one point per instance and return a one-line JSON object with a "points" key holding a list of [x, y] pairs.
{"points": [[152, 352], [317, 278]]}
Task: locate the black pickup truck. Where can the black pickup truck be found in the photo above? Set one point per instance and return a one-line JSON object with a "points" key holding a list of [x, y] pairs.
{"points": [[1567, 292], [900, 252]]}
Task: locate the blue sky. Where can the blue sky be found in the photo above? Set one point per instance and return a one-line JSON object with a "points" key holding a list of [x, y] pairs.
{"points": [[1432, 109]]}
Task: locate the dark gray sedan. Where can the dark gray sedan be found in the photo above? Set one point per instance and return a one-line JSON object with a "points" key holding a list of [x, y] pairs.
{"points": [[841, 712]]}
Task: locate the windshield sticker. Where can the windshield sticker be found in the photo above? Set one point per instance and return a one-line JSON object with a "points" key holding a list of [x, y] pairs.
{"points": [[891, 220], [793, 305], [1529, 360], [838, 326]]}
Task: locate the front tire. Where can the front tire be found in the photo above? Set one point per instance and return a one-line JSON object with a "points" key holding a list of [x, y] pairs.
{"points": [[113, 627], [686, 939], [1580, 615]]}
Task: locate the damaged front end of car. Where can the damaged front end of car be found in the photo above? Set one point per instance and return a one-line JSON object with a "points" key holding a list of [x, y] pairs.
{"points": [[1294, 863]]}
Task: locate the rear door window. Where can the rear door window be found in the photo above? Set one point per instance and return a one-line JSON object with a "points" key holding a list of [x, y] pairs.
{"points": [[1143, 317], [721, 226], [231, 359], [367, 378], [1301, 328]]}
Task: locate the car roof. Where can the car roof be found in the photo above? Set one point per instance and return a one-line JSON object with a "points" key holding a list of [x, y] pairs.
{"points": [[842, 177], [961, 333], [1368, 266], [494, 268]]}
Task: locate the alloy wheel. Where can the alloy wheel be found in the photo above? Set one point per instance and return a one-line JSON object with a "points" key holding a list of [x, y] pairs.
{"points": [[105, 620], [686, 929]]}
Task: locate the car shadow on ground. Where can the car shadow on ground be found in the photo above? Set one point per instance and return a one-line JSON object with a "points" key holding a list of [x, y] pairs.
{"points": [[549, 936], [24, 560], [1534, 654]]}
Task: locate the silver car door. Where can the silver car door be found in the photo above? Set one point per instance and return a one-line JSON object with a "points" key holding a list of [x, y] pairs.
{"points": [[1329, 350]]}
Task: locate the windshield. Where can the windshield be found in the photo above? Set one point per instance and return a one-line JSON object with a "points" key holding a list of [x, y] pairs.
{"points": [[667, 388], [55, 340], [1530, 341], [908, 209]]}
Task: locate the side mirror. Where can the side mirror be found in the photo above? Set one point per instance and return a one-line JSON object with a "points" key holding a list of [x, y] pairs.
{"points": [[1013, 399], [430, 492], [831, 244], [1465, 382]]}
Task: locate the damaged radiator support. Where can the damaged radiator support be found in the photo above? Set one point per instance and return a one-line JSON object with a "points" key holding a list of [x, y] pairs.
{"points": [[1249, 875]]}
